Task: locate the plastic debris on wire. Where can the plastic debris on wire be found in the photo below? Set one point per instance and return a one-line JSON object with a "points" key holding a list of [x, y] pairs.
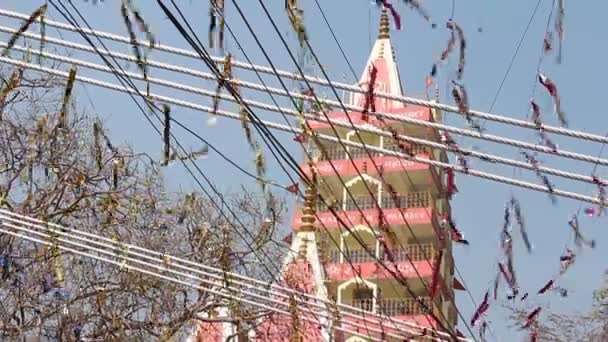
{"points": [[370, 102], [193, 155], [436, 269], [506, 267], [415, 5], [481, 309], [216, 13], [166, 135], [531, 159], [531, 323], [141, 55], [12, 84], [536, 114], [550, 286], [558, 28], [394, 13], [67, 96], [532, 317], [227, 78], [521, 223], [536, 119], [552, 90], [296, 18], [566, 261], [243, 111], [5, 266], [483, 328], [548, 43], [461, 99], [451, 188], [457, 235], [462, 161], [579, 239], [546, 287], [40, 12], [97, 135], [452, 26], [116, 164], [601, 196], [445, 53]]}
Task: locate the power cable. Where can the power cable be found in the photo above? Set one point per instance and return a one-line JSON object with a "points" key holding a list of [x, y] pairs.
{"points": [[172, 261], [372, 130], [456, 168], [205, 55], [347, 87]]}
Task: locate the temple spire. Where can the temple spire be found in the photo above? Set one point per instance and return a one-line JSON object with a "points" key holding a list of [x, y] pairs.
{"points": [[384, 25]]}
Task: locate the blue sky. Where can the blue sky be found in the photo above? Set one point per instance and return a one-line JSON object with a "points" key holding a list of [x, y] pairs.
{"points": [[479, 204]]}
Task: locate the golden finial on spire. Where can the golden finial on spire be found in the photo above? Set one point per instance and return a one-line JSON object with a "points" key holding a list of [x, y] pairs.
{"points": [[310, 196], [384, 25]]}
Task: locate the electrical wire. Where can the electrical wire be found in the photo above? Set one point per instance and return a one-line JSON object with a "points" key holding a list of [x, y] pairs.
{"points": [[205, 55], [271, 307], [333, 128], [316, 58], [333, 34], [404, 99], [183, 162], [153, 81], [457, 168], [363, 128], [393, 117], [173, 261], [166, 261], [589, 178], [514, 56]]}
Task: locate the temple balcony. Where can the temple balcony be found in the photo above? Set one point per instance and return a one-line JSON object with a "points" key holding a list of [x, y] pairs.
{"points": [[341, 274], [365, 296], [358, 118], [403, 313], [417, 210], [392, 300], [358, 262], [336, 167], [392, 306]]}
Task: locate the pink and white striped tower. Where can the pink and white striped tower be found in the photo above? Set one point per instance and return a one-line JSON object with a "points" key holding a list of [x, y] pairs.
{"points": [[411, 229]]}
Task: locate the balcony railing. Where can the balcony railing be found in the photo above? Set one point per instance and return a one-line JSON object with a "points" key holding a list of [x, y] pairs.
{"points": [[403, 146], [355, 256], [415, 252], [387, 201], [363, 304], [404, 306], [394, 306], [338, 153]]}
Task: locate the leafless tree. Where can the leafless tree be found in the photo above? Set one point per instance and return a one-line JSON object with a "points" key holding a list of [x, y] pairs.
{"points": [[556, 326], [58, 165]]}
